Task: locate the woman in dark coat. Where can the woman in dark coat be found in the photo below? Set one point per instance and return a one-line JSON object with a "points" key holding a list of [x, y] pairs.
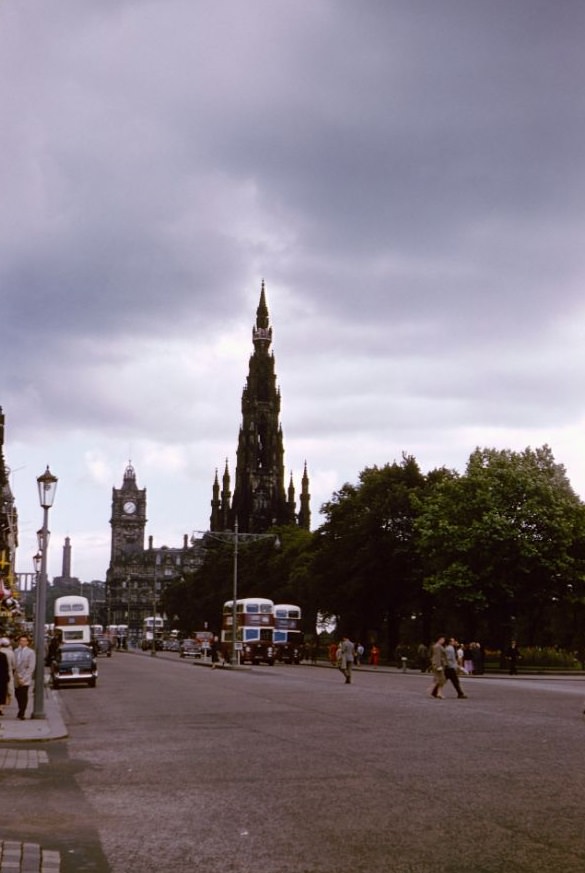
{"points": [[4, 680]]}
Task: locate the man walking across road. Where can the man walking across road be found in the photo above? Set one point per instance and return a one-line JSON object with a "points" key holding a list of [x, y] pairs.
{"points": [[451, 670], [438, 664], [346, 659], [513, 656], [24, 660]]}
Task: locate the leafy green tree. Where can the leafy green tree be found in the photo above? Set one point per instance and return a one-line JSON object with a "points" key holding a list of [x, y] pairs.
{"points": [[502, 542], [366, 564]]}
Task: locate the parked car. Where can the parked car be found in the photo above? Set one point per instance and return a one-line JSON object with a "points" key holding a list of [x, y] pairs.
{"points": [[102, 646], [171, 646], [74, 663], [190, 649]]}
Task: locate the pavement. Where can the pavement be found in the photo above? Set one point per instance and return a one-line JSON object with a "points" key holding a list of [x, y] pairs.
{"points": [[51, 727], [29, 857]]}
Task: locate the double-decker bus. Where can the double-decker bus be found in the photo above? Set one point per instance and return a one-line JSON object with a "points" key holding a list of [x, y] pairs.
{"points": [[254, 630], [152, 627], [288, 636], [72, 619]]}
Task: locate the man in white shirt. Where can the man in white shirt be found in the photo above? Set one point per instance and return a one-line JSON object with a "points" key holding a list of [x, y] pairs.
{"points": [[451, 672]]}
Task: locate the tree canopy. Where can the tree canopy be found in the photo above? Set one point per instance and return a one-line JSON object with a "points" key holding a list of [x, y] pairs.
{"points": [[496, 551], [503, 539]]}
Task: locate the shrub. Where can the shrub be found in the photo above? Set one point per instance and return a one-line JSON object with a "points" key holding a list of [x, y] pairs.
{"points": [[548, 656]]}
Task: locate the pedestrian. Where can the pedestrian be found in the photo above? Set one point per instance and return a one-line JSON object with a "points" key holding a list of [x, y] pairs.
{"points": [[460, 656], [374, 655], [423, 658], [359, 654], [451, 670], [477, 656], [333, 654], [4, 681], [24, 667], [438, 664], [8, 651], [346, 656], [468, 658], [54, 645], [214, 651], [513, 656]]}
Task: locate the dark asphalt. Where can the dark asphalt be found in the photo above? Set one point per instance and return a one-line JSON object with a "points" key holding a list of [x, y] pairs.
{"points": [[170, 766]]}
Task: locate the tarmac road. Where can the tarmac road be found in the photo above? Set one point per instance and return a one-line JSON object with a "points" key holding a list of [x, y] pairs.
{"points": [[170, 766]]}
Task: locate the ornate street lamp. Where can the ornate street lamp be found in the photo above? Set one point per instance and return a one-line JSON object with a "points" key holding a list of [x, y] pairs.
{"points": [[47, 485], [37, 559]]}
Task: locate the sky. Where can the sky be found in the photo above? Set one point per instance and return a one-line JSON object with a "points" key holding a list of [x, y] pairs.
{"points": [[408, 178]]}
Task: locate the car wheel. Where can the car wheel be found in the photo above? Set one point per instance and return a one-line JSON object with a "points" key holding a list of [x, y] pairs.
{"points": [[109, 654], [55, 684], [92, 682]]}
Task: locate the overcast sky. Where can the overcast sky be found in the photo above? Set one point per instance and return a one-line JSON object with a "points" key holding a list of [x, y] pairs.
{"points": [[406, 175]]}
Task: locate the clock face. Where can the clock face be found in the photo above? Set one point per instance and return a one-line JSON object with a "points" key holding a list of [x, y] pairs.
{"points": [[129, 507]]}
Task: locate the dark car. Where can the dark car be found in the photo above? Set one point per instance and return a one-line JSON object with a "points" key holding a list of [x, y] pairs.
{"points": [[73, 664], [190, 649], [102, 646], [171, 646]]}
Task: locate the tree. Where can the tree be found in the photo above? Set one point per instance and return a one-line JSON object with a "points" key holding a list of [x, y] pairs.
{"points": [[503, 541], [366, 565]]}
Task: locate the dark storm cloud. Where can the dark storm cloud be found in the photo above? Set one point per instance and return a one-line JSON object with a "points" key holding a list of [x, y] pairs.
{"points": [[383, 137], [408, 177]]}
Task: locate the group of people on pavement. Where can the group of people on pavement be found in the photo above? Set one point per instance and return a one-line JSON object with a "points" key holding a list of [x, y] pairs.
{"points": [[17, 667]]}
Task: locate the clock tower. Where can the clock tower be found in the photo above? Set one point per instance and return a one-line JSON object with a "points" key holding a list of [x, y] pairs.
{"points": [[128, 519]]}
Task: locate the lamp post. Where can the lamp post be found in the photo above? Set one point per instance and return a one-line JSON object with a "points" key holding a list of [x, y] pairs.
{"points": [[236, 536], [235, 598], [37, 560], [153, 647], [47, 485]]}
